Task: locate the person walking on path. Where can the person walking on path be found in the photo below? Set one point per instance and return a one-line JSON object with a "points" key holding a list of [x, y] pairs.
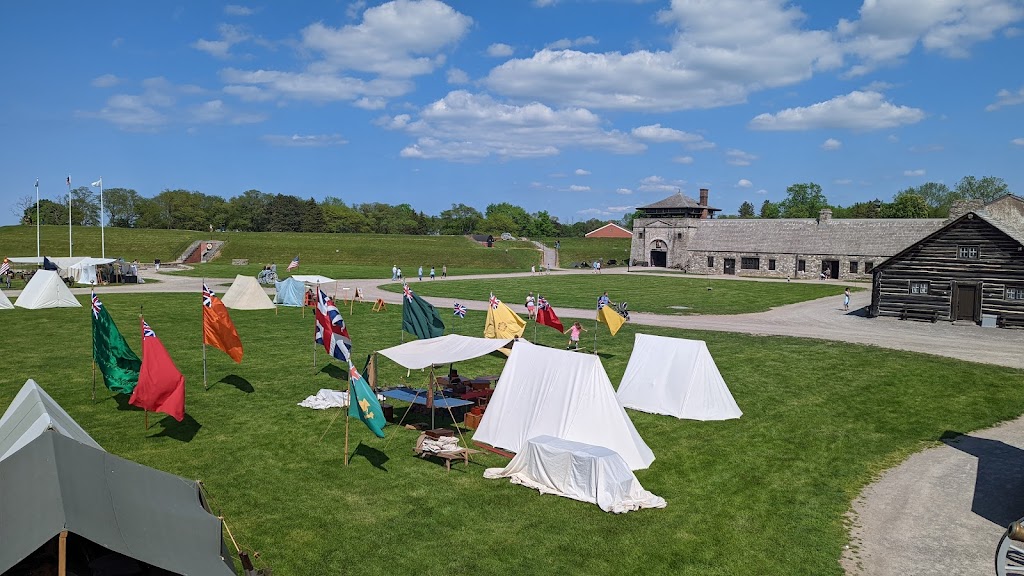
{"points": [[603, 300], [420, 273], [431, 272], [394, 272], [444, 270], [574, 335], [846, 299], [399, 274], [530, 306]]}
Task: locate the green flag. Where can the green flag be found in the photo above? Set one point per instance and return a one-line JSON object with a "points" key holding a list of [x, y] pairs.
{"points": [[362, 402], [419, 316], [119, 365]]}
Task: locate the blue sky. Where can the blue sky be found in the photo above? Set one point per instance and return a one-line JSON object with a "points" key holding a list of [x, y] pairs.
{"points": [[583, 108]]}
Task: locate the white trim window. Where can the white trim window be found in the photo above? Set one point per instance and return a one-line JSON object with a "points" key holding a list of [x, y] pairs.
{"points": [[967, 252], [1015, 293], [918, 287]]}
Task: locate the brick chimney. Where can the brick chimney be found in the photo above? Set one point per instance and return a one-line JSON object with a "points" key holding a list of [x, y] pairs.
{"points": [[825, 216], [704, 203]]}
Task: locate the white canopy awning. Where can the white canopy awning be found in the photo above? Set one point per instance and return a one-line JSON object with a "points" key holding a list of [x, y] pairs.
{"points": [[442, 350], [313, 278], [63, 261]]}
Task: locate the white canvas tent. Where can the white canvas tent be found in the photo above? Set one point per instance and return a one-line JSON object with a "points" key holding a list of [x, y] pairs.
{"points": [[545, 391], [31, 413], [676, 377], [5, 302], [81, 268], [246, 293], [441, 350], [46, 289]]}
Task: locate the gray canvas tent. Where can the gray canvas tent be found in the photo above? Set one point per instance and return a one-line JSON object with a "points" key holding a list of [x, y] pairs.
{"points": [[290, 292], [56, 483]]}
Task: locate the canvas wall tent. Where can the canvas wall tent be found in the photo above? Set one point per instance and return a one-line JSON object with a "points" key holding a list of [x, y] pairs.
{"points": [[676, 377], [55, 482], [545, 391], [441, 350], [289, 292], [46, 290], [246, 293], [5, 302], [82, 269], [31, 413]]}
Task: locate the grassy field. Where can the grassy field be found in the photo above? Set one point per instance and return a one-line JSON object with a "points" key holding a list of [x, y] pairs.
{"points": [[658, 294], [765, 493], [590, 249], [333, 255]]}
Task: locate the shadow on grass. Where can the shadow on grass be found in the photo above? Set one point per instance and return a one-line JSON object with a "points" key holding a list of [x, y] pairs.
{"points": [[372, 455], [122, 403], [999, 484], [183, 431], [238, 382], [335, 372]]}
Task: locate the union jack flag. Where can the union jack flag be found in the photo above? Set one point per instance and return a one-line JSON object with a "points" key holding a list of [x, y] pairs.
{"points": [[331, 330], [294, 264], [460, 310], [208, 296], [542, 302], [494, 301], [408, 292], [147, 332], [5, 267], [96, 305]]}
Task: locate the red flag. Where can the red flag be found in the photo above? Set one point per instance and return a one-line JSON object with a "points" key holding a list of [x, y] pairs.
{"points": [[161, 386], [218, 329], [546, 315]]}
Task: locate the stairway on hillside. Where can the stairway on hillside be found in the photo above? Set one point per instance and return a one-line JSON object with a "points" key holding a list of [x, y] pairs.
{"points": [[201, 251]]}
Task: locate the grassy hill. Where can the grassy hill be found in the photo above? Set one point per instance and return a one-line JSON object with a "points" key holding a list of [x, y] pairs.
{"points": [[338, 255]]}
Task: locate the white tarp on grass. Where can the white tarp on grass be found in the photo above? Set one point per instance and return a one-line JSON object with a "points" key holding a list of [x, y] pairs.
{"points": [[46, 289], [246, 293], [441, 350], [676, 377], [5, 302], [545, 391], [579, 471], [33, 412]]}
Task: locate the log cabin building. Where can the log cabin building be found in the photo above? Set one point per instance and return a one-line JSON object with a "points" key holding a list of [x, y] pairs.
{"points": [[969, 269]]}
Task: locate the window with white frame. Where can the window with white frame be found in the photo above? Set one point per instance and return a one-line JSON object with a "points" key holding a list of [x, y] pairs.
{"points": [[918, 287], [1015, 293], [967, 252]]}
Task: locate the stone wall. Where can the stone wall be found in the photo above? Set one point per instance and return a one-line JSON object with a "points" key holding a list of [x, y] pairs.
{"points": [[648, 231], [786, 265]]}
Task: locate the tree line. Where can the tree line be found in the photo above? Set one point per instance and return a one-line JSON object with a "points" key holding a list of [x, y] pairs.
{"points": [[929, 200], [256, 211]]}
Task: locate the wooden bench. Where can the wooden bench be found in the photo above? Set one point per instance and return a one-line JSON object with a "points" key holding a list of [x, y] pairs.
{"points": [[462, 454], [919, 314]]}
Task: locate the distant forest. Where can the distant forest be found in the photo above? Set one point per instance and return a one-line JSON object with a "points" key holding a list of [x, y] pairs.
{"points": [[255, 211]]}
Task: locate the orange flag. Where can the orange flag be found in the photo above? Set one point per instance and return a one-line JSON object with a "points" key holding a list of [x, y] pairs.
{"points": [[161, 386], [218, 329]]}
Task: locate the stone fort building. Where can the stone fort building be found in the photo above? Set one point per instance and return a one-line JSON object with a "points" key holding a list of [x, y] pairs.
{"points": [[682, 233]]}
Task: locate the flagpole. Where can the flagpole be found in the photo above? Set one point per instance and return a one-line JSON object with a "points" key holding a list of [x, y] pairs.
{"points": [[38, 255], [595, 335], [93, 350], [70, 245], [314, 328], [204, 341], [103, 239], [142, 338], [347, 415]]}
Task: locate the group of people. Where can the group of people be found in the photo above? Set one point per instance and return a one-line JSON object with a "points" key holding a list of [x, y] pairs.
{"points": [[115, 272], [396, 273], [573, 331]]}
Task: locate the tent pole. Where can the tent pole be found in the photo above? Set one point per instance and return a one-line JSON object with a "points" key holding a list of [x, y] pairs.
{"points": [[347, 418], [62, 554], [430, 396], [94, 378], [595, 335], [146, 421]]}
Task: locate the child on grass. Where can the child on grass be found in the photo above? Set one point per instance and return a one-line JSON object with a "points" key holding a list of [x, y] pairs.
{"points": [[574, 335]]}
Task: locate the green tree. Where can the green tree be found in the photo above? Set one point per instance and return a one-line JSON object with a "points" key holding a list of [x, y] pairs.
{"points": [[627, 220], [285, 213], [987, 189], [122, 206], [542, 226], [906, 205], [746, 210], [770, 209], [340, 217], [803, 201], [459, 219], [936, 195], [871, 209], [248, 211], [50, 213], [313, 217], [516, 219]]}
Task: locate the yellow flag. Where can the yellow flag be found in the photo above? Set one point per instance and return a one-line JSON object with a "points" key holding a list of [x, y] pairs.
{"points": [[502, 322], [606, 315]]}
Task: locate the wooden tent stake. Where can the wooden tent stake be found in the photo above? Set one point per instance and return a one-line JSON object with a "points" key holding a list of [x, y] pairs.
{"points": [[62, 554]]}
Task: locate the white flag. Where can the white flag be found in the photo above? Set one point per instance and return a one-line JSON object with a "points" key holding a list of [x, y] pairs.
{"points": [[98, 183]]}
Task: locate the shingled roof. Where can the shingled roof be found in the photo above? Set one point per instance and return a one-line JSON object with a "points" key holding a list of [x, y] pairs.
{"points": [[677, 200], [856, 237]]}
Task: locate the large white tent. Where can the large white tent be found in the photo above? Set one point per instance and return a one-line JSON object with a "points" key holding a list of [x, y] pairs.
{"points": [[246, 293], [546, 391], [5, 302], [46, 289], [31, 413], [441, 350], [676, 377], [80, 268]]}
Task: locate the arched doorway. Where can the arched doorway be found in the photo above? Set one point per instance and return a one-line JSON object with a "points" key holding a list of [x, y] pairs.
{"points": [[659, 254]]}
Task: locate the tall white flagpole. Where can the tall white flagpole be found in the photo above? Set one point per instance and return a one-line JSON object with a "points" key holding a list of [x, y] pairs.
{"points": [[71, 246], [103, 239], [37, 220]]}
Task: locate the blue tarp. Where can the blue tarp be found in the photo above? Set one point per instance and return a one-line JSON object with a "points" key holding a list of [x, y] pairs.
{"points": [[419, 396], [290, 292]]}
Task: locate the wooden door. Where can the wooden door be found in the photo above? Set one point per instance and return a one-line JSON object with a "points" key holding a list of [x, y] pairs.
{"points": [[729, 266], [966, 300]]}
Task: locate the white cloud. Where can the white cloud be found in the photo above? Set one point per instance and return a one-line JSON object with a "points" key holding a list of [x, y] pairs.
{"points": [[249, 93], [744, 183], [889, 30], [499, 50], [915, 172], [370, 103], [683, 159], [311, 86], [216, 112], [739, 157], [877, 86], [130, 112], [565, 43], [892, 138], [157, 106], [607, 211], [831, 144], [1006, 98], [544, 3], [592, 212], [623, 191], [659, 184], [229, 36], [762, 192], [354, 9], [305, 141], [842, 181], [457, 76], [105, 81], [657, 133], [465, 126], [236, 10], [854, 111], [582, 172], [578, 188], [1017, 141]]}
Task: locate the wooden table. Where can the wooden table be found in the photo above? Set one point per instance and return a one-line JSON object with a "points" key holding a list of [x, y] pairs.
{"points": [[449, 455]]}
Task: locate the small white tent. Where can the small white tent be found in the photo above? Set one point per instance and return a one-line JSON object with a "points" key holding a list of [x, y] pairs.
{"points": [[46, 289], [246, 293], [5, 302], [676, 377], [562, 394], [33, 412]]}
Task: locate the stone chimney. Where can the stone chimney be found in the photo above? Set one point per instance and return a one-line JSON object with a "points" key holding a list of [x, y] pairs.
{"points": [[961, 207], [704, 203], [825, 216]]}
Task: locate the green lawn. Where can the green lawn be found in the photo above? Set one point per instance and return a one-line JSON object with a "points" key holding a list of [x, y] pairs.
{"points": [[658, 294], [127, 243], [764, 494], [574, 250]]}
